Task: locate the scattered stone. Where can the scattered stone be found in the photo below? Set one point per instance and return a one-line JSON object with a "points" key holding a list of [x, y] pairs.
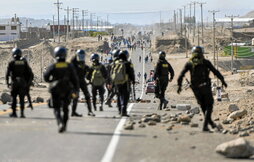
{"points": [[244, 134], [167, 109], [129, 126], [194, 125], [201, 119], [191, 115], [251, 122], [233, 107], [5, 97], [170, 127], [165, 121], [239, 148], [195, 110], [155, 136], [176, 139], [193, 147], [216, 119], [187, 112], [185, 123], [156, 118], [39, 99], [227, 121], [237, 114], [174, 119], [140, 121], [151, 123], [173, 106], [219, 127], [234, 131], [184, 118], [142, 125], [224, 131], [183, 107]]}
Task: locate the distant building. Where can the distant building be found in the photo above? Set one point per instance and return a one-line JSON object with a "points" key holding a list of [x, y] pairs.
{"points": [[11, 31]]}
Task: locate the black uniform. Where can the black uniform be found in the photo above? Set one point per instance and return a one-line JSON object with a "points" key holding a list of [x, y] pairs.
{"points": [[110, 86], [123, 90], [100, 88], [64, 81], [82, 69], [201, 86], [162, 69], [20, 74]]}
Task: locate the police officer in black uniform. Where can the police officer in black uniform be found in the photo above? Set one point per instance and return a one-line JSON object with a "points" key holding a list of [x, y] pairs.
{"points": [[63, 81], [20, 73], [109, 84], [200, 69], [124, 89], [97, 77], [162, 69], [82, 69]]}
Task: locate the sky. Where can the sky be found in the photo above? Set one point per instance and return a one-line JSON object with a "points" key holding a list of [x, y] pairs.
{"points": [[122, 11]]}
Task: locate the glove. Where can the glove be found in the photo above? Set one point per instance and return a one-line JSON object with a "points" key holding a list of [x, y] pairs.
{"points": [[224, 84], [8, 85], [170, 80], [179, 90]]}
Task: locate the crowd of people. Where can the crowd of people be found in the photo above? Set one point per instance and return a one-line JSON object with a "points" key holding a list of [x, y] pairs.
{"points": [[66, 79]]}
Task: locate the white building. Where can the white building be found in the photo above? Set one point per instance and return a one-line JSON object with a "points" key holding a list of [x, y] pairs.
{"points": [[10, 31]]}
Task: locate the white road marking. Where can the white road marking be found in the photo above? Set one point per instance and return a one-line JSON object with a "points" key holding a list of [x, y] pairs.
{"points": [[109, 154], [111, 149]]}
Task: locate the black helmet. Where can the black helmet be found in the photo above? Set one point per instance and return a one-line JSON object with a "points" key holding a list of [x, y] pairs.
{"points": [[60, 53], [124, 54], [16, 53], [198, 49], [80, 55], [115, 53], [95, 57], [162, 55]]}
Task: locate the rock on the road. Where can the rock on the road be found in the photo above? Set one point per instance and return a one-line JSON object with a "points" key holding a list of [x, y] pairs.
{"points": [[239, 148], [195, 110], [5, 97], [233, 107], [183, 107], [237, 114]]}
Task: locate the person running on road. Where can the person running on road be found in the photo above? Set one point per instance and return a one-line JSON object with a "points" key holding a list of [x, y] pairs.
{"points": [[20, 73], [97, 76], [81, 68], [63, 81], [162, 70], [200, 68]]}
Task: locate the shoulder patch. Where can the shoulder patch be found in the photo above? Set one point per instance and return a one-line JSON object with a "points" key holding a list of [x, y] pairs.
{"points": [[61, 65]]}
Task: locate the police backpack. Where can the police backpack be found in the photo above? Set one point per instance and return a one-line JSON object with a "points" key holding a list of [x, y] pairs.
{"points": [[97, 77], [119, 75]]}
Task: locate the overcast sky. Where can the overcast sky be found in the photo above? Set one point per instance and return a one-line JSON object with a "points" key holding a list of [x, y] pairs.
{"points": [[46, 8]]}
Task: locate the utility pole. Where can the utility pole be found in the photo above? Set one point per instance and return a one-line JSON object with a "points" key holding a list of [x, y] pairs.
{"points": [[194, 23], [232, 40], [91, 20], [175, 21], [65, 29], [213, 12], [74, 11], [107, 20], [190, 22], [54, 28], [68, 22], [160, 23], [181, 22], [202, 22], [58, 4]]}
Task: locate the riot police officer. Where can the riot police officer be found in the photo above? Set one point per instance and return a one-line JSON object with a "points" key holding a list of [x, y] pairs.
{"points": [[162, 70], [200, 69], [97, 77], [109, 84], [20, 73], [81, 68], [123, 76], [63, 81]]}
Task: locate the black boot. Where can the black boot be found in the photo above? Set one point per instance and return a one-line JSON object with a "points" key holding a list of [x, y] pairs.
{"points": [[13, 115], [76, 114], [165, 102]]}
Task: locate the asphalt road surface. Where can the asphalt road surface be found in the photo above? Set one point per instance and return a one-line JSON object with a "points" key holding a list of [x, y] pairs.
{"points": [[102, 138]]}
